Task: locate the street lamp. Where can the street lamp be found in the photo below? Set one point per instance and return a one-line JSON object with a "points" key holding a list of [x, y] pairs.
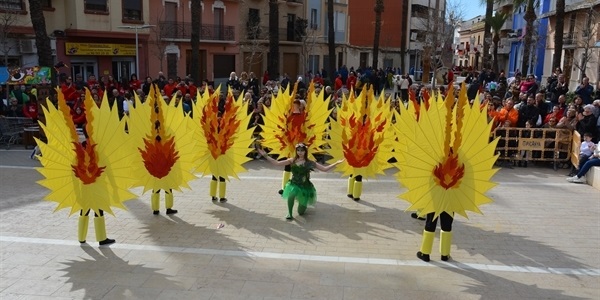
{"points": [[137, 57]]}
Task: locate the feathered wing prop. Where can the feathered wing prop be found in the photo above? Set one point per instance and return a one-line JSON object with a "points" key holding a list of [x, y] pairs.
{"points": [[95, 177], [163, 143], [283, 130], [362, 135], [227, 136], [445, 156]]}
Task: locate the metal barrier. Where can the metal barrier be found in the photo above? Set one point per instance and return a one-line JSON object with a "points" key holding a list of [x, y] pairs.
{"points": [[534, 144], [12, 129]]}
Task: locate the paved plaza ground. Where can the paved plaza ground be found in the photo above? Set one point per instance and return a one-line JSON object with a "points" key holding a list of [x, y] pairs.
{"points": [[540, 239]]}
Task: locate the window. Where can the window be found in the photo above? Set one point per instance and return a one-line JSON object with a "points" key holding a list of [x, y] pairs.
{"points": [[12, 5], [314, 19], [132, 10], [96, 5]]}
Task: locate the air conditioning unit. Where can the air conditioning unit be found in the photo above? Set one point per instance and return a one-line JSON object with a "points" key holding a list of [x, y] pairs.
{"points": [[28, 47]]}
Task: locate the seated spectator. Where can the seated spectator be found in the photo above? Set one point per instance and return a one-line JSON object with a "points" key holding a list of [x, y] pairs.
{"points": [[594, 161], [587, 122], [555, 114], [586, 150], [569, 121], [78, 115], [30, 109], [14, 110]]}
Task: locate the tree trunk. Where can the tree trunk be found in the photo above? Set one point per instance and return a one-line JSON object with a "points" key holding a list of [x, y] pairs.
{"points": [[487, 32], [496, 41], [273, 61], [559, 28], [403, 32], [196, 10], [331, 42], [528, 39], [42, 41], [378, 11]]}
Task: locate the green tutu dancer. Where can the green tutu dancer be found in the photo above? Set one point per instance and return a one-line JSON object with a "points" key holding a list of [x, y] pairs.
{"points": [[299, 188]]}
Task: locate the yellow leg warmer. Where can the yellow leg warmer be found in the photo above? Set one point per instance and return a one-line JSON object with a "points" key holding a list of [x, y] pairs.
{"points": [[445, 243], [213, 188], [427, 242], [357, 190], [100, 228], [222, 189], [82, 228], [350, 186], [168, 199], [155, 200], [285, 178]]}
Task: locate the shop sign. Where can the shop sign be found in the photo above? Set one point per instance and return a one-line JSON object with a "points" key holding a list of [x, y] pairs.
{"points": [[97, 49]]}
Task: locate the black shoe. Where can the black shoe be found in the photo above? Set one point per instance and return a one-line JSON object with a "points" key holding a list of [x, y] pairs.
{"points": [[223, 200], [416, 216], [215, 199], [423, 257], [445, 257], [83, 242], [106, 242], [350, 196], [280, 192], [357, 199], [171, 211], [156, 212]]}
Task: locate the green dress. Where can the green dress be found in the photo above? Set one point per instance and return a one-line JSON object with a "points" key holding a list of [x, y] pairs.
{"points": [[299, 186]]}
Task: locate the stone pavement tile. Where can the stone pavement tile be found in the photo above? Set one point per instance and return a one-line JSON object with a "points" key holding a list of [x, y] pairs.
{"points": [[134, 293], [33, 297], [232, 261], [179, 295], [172, 282], [164, 268], [281, 264], [361, 293], [137, 256], [203, 271], [185, 258], [34, 287], [32, 272], [80, 291], [267, 289], [217, 285], [243, 274], [322, 267], [313, 291], [124, 279], [7, 281], [226, 295]]}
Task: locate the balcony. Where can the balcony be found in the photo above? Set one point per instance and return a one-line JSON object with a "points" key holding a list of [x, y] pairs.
{"points": [[262, 33], [504, 46], [208, 32], [569, 40], [508, 24], [295, 2]]}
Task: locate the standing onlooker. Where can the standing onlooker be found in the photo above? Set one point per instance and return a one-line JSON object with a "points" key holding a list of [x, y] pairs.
{"points": [[585, 90], [557, 88]]}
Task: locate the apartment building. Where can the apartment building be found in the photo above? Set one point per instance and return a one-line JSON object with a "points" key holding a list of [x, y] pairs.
{"points": [[581, 42], [469, 51], [361, 28], [89, 36]]}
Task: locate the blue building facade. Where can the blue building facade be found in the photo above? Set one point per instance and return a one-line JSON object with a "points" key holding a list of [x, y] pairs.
{"points": [[540, 36]]}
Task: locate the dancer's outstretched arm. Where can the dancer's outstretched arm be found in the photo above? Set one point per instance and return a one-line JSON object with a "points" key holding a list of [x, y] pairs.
{"points": [[323, 168], [273, 161]]}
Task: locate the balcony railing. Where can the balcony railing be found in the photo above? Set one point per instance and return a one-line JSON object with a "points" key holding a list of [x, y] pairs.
{"points": [[569, 39], [183, 30], [262, 33]]}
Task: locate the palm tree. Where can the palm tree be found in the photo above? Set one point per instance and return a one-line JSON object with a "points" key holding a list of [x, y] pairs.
{"points": [[378, 10], [559, 28], [273, 58], [487, 33], [196, 8], [529, 17], [496, 22], [331, 41]]}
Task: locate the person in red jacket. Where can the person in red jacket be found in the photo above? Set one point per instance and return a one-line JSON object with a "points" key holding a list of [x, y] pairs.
{"points": [[30, 109], [338, 82], [69, 91], [78, 115], [351, 81], [170, 87], [134, 84]]}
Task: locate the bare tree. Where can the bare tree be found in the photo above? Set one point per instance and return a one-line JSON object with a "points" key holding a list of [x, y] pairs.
{"points": [[309, 41], [589, 32], [254, 44], [159, 45], [379, 8], [487, 32], [196, 9], [8, 20]]}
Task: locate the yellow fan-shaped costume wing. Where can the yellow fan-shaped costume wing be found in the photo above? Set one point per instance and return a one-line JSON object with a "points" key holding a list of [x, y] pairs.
{"points": [[227, 137], [96, 176], [362, 135], [446, 157], [283, 129], [163, 143]]}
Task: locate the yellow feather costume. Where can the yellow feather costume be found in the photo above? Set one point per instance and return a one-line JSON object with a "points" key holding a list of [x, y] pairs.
{"points": [[362, 135], [445, 156], [227, 137], [163, 143], [282, 130], [96, 177]]}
